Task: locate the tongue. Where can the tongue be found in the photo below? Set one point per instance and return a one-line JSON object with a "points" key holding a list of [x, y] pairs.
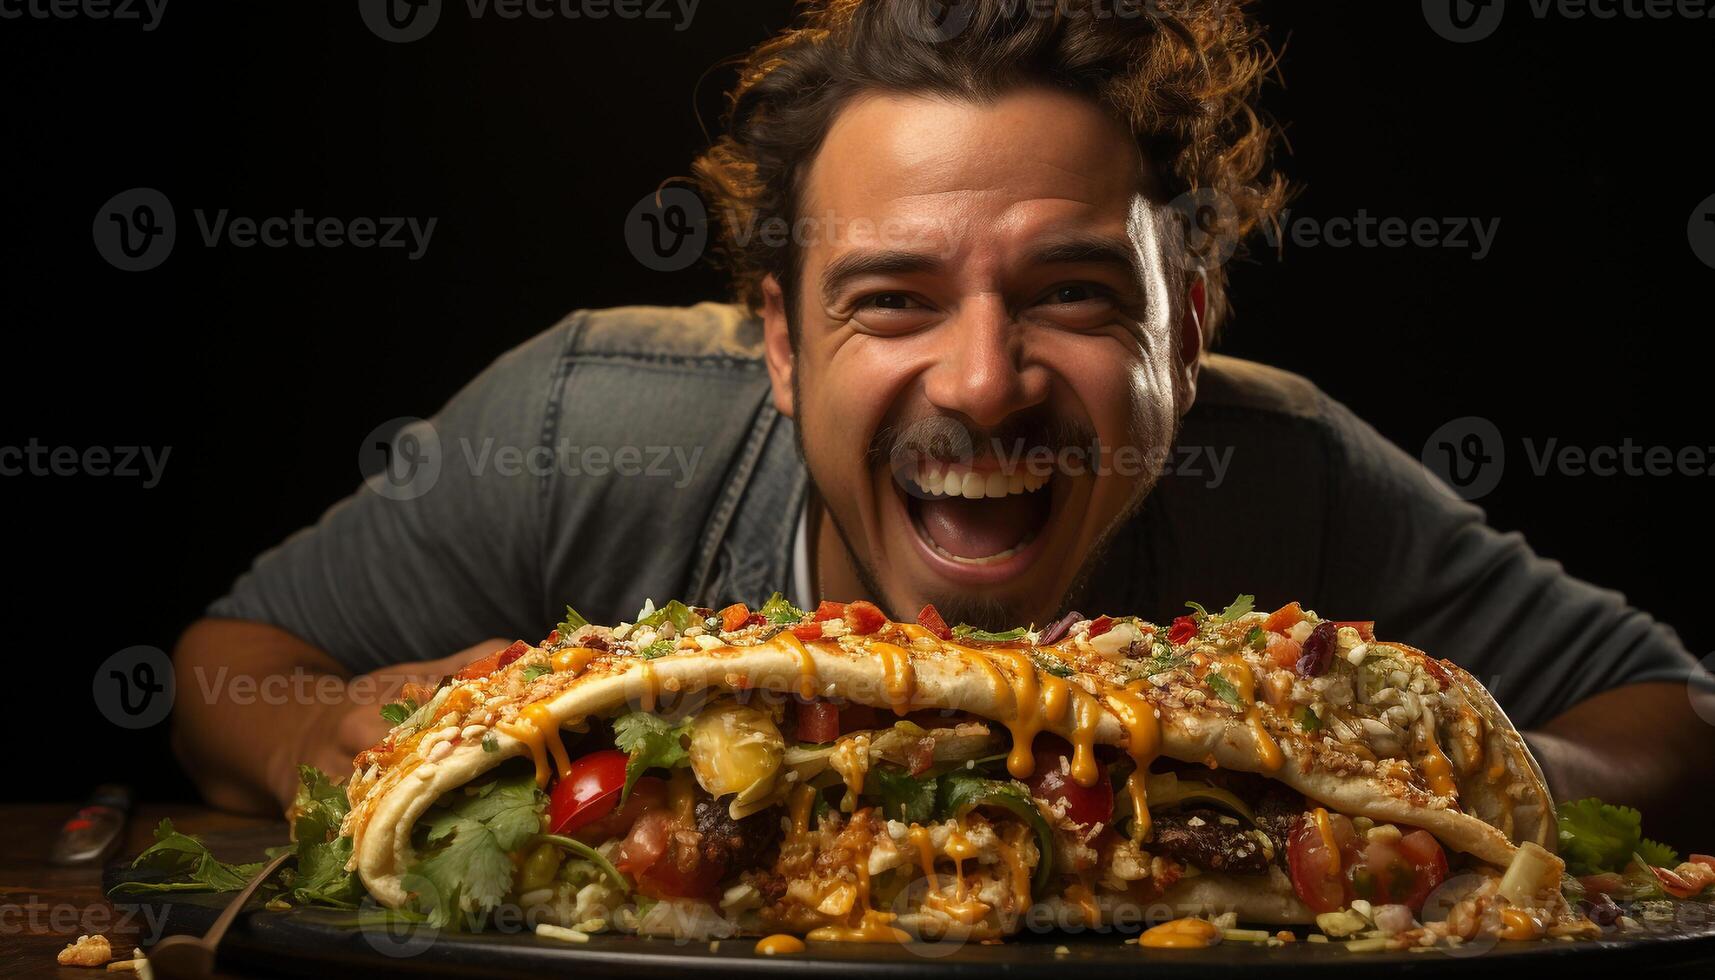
{"points": [[979, 528]]}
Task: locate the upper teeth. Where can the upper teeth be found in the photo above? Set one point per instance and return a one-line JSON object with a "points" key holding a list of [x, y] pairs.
{"points": [[951, 480]]}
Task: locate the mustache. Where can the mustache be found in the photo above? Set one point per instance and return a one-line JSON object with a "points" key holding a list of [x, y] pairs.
{"points": [[950, 439]]}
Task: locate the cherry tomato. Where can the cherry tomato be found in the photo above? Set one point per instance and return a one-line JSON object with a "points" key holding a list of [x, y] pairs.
{"points": [[588, 792], [1403, 873], [1183, 630], [1318, 875], [818, 722], [647, 794], [1052, 781]]}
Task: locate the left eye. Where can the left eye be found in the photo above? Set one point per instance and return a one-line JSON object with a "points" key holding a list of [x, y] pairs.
{"points": [[1073, 293]]}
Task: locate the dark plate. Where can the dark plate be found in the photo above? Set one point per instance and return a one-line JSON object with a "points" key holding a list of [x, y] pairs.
{"points": [[311, 942]]}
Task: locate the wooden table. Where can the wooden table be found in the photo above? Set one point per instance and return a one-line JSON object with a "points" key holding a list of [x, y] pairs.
{"points": [[44, 906]]}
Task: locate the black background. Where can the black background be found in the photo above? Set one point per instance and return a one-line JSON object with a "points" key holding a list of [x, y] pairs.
{"points": [[529, 140]]}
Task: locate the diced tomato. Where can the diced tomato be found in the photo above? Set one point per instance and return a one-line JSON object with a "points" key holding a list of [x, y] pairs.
{"points": [[588, 792], [755, 619], [1382, 872], [829, 610], [818, 722], [808, 631], [1098, 626], [864, 618], [493, 662], [1283, 651], [1052, 780], [930, 619], [1284, 618], [647, 794], [1366, 628], [664, 866], [1183, 630], [552, 638], [734, 616]]}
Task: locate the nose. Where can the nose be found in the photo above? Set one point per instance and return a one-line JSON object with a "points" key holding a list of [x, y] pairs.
{"points": [[979, 372]]}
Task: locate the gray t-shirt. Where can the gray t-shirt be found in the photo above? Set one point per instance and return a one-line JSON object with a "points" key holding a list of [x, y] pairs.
{"points": [[634, 453]]}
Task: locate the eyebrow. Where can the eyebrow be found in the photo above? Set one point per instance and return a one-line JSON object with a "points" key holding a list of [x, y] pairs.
{"points": [[1060, 250]]}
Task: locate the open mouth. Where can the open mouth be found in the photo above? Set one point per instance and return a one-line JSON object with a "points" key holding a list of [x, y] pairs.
{"points": [[973, 514]]}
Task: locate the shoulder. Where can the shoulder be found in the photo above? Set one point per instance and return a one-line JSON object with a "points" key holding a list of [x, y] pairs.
{"points": [[717, 336]]}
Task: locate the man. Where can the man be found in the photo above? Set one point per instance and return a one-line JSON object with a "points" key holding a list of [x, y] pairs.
{"points": [[955, 381]]}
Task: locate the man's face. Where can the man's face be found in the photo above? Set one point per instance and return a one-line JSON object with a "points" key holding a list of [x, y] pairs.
{"points": [[985, 319]]}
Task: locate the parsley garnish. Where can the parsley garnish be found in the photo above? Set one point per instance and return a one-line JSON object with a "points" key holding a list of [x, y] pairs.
{"points": [[652, 742]]}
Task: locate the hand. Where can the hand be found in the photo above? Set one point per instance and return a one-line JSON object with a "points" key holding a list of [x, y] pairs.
{"points": [[340, 730]]}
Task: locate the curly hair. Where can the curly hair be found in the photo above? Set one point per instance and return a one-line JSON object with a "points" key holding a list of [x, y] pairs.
{"points": [[1182, 75]]}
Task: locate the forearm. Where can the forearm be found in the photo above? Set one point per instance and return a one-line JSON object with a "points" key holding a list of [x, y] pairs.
{"points": [[253, 701], [1642, 745]]}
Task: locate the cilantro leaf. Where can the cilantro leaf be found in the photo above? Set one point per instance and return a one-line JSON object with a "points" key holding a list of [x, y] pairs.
{"points": [[905, 797], [1237, 609], [1306, 719], [1197, 608], [395, 714], [1049, 664], [660, 648], [1657, 854], [177, 855], [320, 877], [534, 671], [652, 742], [1225, 690], [473, 841], [1256, 639], [573, 622], [1596, 837], [780, 612]]}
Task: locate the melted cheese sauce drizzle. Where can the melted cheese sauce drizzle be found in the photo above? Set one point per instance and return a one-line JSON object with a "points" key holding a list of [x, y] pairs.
{"points": [[779, 945], [536, 729], [1181, 934], [807, 679], [1026, 712], [1238, 673], [1143, 744], [898, 676]]}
